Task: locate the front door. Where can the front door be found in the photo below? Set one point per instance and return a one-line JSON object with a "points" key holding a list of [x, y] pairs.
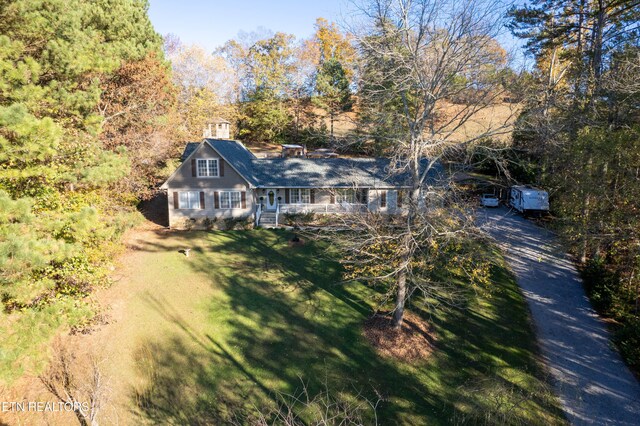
{"points": [[271, 199]]}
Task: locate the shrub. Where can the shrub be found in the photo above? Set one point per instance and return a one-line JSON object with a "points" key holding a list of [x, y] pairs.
{"points": [[601, 284], [231, 223], [628, 339], [209, 223], [293, 219]]}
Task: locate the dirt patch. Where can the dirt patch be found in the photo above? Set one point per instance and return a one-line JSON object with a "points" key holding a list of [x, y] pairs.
{"points": [[413, 342]]}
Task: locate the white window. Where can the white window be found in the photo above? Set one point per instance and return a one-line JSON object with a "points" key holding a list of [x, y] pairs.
{"points": [[189, 200], [346, 196], [300, 195], [230, 200], [208, 168], [235, 200]]}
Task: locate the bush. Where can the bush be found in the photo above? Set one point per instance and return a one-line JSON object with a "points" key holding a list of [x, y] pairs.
{"points": [[294, 219], [628, 339], [601, 285], [231, 223], [209, 223]]}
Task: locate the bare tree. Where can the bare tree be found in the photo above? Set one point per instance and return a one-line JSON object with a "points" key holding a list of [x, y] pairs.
{"points": [[85, 392], [325, 408], [418, 56]]}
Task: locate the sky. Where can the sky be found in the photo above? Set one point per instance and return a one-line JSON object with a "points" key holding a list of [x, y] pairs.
{"points": [[210, 23]]}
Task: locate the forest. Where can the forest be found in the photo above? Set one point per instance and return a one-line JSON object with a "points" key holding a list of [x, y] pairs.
{"points": [[96, 106]]}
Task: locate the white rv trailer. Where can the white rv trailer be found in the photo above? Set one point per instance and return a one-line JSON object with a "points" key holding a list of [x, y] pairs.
{"points": [[527, 199]]}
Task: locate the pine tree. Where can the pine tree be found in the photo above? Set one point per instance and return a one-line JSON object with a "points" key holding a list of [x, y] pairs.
{"points": [[59, 213], [334, 93]]}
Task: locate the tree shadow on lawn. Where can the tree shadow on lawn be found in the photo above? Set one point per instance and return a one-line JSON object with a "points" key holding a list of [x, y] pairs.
{"points": [[487, 353], [288, 318]]}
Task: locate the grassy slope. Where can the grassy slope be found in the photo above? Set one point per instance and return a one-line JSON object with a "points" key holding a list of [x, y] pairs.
{"points": [[246, 314], [494, 117]]}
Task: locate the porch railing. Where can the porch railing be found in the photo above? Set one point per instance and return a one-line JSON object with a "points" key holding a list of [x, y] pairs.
{"points": [[258, 214], [323, 208], [277, 213]]}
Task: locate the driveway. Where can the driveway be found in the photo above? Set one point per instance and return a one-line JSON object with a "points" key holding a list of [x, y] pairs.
{"points": [[593, 383]]}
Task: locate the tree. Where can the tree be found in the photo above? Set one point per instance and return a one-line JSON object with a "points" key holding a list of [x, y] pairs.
{"points": [[265, 69], [62, 214], [583, 137], [334, 61], [136, 107], [419, 49], [207, 87], [81, 387], [332, 87], [329, 43]]}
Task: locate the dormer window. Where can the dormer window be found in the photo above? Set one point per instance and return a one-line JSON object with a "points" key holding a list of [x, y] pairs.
{"points": [[208, 167]]}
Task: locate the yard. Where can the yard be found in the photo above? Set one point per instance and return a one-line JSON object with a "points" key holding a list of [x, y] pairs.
{"points": [[210, 337]]}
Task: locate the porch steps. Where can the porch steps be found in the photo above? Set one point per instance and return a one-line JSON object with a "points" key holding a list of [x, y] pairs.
{"points": [[267, 220]]}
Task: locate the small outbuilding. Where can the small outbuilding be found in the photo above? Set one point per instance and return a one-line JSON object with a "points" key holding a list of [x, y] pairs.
{"points": [[217, 129]]}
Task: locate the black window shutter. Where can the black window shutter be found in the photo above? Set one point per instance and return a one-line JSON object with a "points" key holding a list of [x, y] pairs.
{"points": [[399, 199], [286, 195], [383, 199], [194, 170], [243, 199], [333, 198], [361, 196], [216, 200], [221, 167], [202, 200], [175, 200], [312, 196]]}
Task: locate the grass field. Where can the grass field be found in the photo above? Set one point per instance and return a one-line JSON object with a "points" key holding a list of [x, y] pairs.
{"points": [[212, 336]]}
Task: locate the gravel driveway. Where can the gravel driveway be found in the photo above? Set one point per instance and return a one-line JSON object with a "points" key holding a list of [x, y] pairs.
{"points": [[593, 383]]}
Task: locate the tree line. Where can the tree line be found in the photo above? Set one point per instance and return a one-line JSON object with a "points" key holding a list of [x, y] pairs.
{"points": [[579, 136], [271, 86]]}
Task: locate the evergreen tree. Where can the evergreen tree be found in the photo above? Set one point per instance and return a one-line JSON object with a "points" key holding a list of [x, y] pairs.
{"points": [[60, 214], [332, 87]]}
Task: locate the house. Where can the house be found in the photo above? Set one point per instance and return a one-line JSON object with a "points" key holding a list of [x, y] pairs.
{"points": [[221, 178]]}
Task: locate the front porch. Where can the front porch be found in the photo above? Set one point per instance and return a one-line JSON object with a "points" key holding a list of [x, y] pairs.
{"points": [[273, 203], [273, 218]]}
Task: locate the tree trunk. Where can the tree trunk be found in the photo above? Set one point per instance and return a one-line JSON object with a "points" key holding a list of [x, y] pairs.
{"points": [[331, 121], [598, 40], [585, 228], [401, 295]]}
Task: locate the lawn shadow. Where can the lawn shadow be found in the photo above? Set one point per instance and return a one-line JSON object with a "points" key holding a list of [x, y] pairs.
{"points": [[184, 385], [288, 317], [488, 356]]}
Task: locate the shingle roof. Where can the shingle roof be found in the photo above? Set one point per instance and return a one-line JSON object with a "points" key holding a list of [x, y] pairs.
{"points": [[310, 172], [191, 146], [237, 155], [323, 172]]}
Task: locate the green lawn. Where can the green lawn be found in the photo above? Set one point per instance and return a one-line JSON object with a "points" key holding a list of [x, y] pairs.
{"points": [[246, 315]]}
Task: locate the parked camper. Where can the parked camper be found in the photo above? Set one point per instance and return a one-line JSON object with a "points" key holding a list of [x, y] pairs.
{"points": [[527, 199]]}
